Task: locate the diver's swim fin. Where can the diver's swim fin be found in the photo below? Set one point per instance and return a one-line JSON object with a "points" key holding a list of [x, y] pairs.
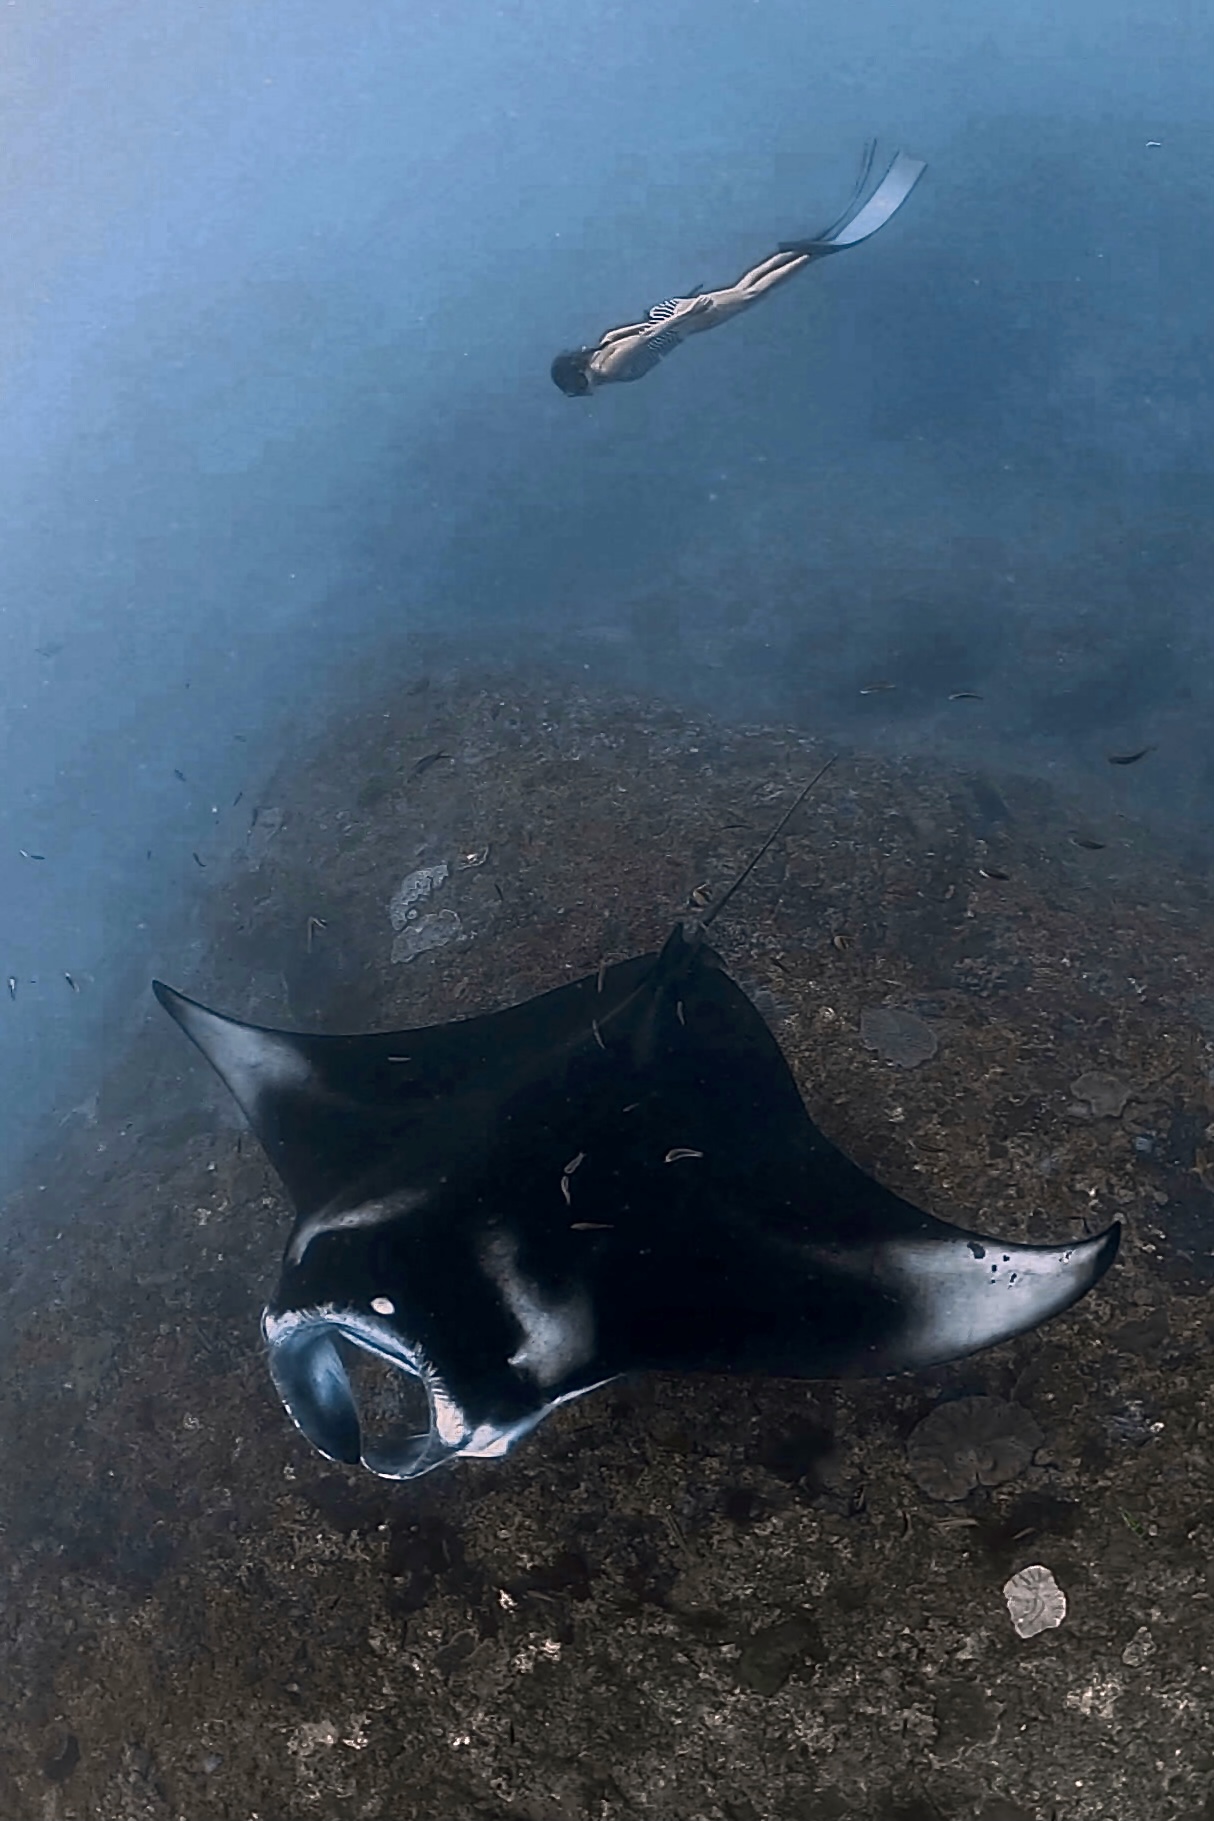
{"points": [[857, 223], [853, 202]]}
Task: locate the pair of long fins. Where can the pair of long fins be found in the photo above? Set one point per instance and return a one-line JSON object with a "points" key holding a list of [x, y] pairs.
{"points": [[861, 219], [858, 221]]}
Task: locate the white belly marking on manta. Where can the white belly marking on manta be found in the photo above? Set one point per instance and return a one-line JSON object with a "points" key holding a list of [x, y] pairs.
{"points": [[337, 1219], [557, 1335]]}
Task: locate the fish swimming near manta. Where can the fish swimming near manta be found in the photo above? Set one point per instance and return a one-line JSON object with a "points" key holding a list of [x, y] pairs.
{"points": [[616, 1176]]}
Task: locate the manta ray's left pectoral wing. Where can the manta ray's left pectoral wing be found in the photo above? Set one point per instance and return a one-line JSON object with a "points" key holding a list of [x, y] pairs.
{"points": [[328, 1108]]}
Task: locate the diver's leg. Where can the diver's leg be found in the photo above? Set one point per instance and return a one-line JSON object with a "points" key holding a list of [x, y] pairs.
{"points": [[715, 307], [772, 270]]}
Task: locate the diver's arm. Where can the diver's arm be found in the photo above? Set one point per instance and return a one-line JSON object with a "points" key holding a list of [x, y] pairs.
{"points": [[687, 306], [613, 360], [622, 334]]}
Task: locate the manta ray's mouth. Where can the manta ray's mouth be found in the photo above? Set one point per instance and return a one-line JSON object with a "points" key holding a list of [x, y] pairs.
{"points": [[394, 1408], [359, 1395]]}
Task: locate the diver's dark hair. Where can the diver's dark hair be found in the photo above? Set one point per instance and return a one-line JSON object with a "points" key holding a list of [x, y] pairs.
{"points": [[569, 372]]}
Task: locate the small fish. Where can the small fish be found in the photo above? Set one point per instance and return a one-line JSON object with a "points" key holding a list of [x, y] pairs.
{"points": [[181, 775], [1093, 847], [12, 986], [1153, 145], [591, 1226], [877, 689], [990, 872], [424, 764], [1129, 758], [236, 798], [842, 943], [71, 983], [28, 856], [400, 1059], [965, 695], [700, 897], [199, 862], [680, 1150]]}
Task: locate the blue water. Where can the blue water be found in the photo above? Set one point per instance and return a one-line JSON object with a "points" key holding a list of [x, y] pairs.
{"points": [[280, 290]]}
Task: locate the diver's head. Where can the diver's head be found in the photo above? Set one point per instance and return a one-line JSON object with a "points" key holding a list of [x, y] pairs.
{"points": [[569, 372]]}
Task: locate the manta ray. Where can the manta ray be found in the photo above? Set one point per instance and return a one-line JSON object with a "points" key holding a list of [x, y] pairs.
{"points": [[616, 1176]]}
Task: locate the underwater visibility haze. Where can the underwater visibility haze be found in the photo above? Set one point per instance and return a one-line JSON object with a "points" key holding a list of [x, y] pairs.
{"points": [[280, 302], [467, 470]]}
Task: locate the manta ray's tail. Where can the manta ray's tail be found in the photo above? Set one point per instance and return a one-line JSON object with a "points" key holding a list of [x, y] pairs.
{"points": [[714, 910]]}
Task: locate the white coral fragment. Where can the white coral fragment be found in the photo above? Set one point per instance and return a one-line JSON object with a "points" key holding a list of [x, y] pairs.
{"points": [[1035, 1602], [414, 890], [429, 932]]}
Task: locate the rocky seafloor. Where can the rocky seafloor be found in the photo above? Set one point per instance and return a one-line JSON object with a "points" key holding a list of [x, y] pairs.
{"points": [[699, 1599]]}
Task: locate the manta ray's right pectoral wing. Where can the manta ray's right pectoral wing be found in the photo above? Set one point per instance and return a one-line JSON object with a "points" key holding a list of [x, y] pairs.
{"points": [[960, 1292]]}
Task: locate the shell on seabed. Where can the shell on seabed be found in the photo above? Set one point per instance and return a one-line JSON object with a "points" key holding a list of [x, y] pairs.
{"points": [[1035, 1601]]}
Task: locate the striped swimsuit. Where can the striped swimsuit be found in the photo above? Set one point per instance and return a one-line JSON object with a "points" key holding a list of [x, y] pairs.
{"points": [[650, 351]]}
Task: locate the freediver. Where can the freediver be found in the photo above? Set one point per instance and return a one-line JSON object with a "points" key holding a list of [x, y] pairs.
{"points": [[635, 348]]}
